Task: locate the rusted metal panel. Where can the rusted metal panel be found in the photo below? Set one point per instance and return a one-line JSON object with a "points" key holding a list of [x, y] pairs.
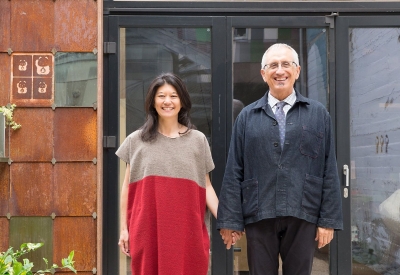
{"points": [[75, 189], [4, 229], [75, 134], [31, 189], [75, 25], [5, 13], [5, 72], [4, 188], [78, 234], [34, 140], [32, 79], [32, 25]]}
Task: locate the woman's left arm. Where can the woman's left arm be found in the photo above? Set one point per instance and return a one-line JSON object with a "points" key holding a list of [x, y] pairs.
{"points": [[211, 197]]}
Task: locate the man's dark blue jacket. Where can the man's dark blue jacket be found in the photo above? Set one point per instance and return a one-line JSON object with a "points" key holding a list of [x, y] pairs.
{"points": [[263, 181]]}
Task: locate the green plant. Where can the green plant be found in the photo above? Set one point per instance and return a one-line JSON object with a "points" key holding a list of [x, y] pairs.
{"points": [[9, 264], [8, 111]]}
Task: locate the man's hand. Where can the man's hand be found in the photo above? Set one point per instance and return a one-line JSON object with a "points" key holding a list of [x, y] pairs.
{"points": [[324, 236]]}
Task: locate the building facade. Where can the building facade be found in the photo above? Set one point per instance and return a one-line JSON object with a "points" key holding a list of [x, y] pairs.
{"points": [[78, 71]]}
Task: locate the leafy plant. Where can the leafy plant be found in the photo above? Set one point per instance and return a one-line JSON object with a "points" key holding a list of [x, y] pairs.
{"points": [[10, 265], [8, 112]]}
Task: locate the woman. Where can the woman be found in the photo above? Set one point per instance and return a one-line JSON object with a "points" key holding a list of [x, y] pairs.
{"points": [[167, 187]]}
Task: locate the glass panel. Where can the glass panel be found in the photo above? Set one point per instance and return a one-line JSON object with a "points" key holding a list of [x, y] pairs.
{"points": [[249, 45], [148, 52], [76, 79], [374, 133], [2, 136], [33, 230]]}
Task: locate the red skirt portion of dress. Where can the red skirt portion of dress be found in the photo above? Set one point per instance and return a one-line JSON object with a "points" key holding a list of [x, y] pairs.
{"points": [[168, 235]]}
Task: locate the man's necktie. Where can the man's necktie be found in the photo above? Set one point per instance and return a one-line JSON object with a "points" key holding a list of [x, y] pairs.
{"points": [[281, 118]]}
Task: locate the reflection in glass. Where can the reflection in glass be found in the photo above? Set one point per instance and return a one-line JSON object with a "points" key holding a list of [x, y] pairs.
{"points": [[75, 79], [375, 152], [148, 52], [249, 45], [183, 51], [33, 230]]}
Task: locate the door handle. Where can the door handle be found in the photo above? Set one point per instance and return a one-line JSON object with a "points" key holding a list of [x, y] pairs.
{"points": [[346, 173], [347, 183]]}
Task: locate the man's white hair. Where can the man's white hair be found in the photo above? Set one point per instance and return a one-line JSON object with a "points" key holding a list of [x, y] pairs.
{"points": [[276, 46]]}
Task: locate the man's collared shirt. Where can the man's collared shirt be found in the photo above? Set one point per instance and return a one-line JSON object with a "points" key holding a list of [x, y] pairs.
{"points": [[290, 100]]}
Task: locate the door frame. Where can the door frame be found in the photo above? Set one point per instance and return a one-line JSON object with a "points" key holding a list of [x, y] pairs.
{"points": [[289, 21], [111, 123], [344, 23], [226, 15]]}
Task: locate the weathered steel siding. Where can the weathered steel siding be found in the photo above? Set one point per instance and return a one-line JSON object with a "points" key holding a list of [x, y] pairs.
{"points": [[53, 167]]}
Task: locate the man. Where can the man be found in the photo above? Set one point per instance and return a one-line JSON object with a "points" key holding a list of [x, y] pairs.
{"points": [[281, 182]]}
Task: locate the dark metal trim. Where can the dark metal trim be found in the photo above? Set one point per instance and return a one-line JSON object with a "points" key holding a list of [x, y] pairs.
{"points": [[109, 142], [244, 8], [109, 47], [110, 228]]}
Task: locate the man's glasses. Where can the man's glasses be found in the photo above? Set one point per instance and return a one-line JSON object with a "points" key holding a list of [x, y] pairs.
{"points": [[283, 64]]}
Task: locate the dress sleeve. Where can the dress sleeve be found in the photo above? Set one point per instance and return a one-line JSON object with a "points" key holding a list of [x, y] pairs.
{"points": [[209, 163], [123, 151]]}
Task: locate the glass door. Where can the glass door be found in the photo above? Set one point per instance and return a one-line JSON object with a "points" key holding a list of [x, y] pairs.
{"points": [[249, 39], [194, 49], [368, 137], [148, 52]]}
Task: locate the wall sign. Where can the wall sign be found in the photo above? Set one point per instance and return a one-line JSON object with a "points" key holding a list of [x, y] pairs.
{"points": [[32, 79]]}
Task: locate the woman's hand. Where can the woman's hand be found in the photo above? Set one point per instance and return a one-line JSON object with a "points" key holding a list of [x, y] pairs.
{"points": [[124, 242]]}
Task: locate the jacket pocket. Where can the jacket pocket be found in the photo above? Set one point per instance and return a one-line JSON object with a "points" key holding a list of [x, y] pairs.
{"points": [[311, 140], [249, 197], [312, 194]]}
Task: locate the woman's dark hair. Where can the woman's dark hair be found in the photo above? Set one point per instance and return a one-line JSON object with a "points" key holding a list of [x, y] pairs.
{"points": [[150, 127]]}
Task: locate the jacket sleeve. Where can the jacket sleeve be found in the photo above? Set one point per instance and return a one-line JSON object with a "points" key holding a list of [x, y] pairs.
{"points": [[230, 203], [331, 205]]}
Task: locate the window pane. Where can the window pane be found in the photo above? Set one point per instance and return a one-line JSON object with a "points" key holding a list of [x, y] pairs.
{"points": [[76, 79], [33, 230], [249, 45], [374, 130], [147, 52], [2, 137]]}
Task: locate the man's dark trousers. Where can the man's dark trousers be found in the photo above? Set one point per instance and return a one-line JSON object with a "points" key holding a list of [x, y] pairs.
{"points": [[292, 238]]}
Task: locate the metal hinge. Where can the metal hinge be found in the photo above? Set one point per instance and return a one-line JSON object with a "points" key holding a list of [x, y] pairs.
{"points": [[109, 141], [110, 47], [330, 19]]}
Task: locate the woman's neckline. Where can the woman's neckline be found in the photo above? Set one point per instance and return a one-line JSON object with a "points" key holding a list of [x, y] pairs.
{"points": [[175, 137]]}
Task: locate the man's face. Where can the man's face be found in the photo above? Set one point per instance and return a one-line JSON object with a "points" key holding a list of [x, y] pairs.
{"points": [[281, 72]]}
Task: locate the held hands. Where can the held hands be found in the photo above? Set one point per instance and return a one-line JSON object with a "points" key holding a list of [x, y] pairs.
{"points": [[324, 236], [230, 237], [124, 242]]}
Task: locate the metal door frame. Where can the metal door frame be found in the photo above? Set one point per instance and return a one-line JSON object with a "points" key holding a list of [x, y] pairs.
{"points": [[223, 16], [343, 125], [111, 123], [287, 22]]}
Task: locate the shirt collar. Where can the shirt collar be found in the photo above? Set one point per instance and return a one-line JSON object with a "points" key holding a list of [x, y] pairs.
{"points": [[290, 100], [262, 102]]}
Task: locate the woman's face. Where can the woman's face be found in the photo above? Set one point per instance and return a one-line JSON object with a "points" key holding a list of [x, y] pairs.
{"points": [[167, 102]]}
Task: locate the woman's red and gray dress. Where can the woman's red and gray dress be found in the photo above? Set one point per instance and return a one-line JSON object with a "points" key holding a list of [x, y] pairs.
{"points": [[167, 203]]}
